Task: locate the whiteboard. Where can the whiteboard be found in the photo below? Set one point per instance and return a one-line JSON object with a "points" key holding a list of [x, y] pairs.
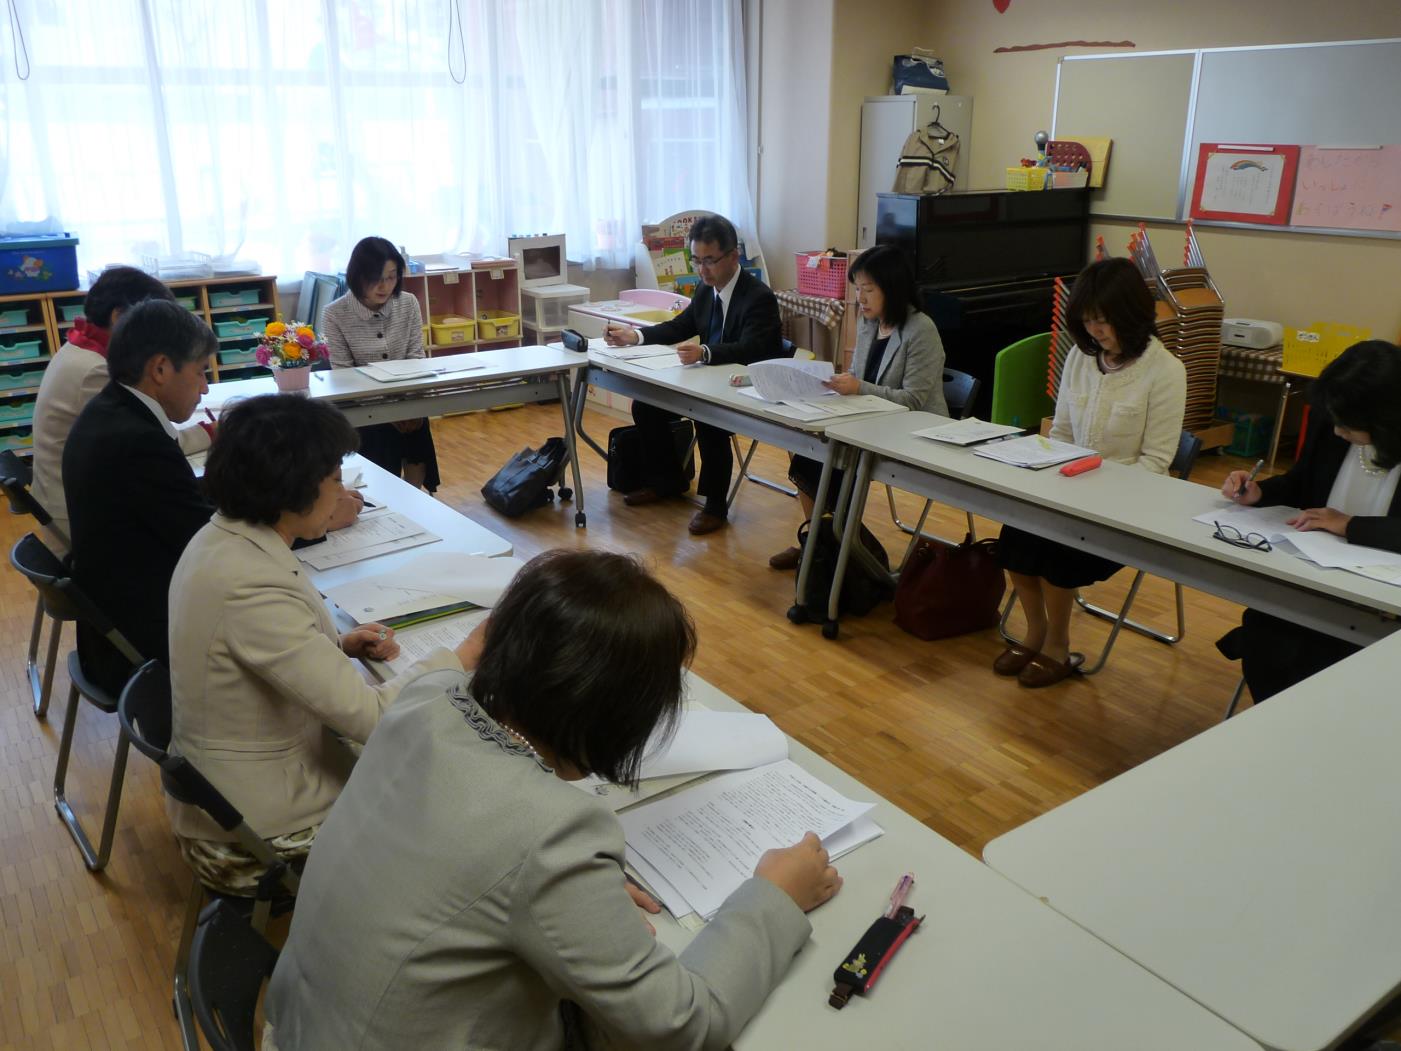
{"points": [[1113, 95], [1341, 93]]}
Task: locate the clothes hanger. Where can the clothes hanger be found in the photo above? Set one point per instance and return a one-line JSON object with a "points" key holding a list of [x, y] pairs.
{"points": [[939, 129]]}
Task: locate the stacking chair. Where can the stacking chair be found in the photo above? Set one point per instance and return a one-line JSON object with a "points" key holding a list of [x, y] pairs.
{"points": [[960, 394], [145, 714], [1019, 374], [1188, 448], [16, 478], [66, 601], [229, 961]]}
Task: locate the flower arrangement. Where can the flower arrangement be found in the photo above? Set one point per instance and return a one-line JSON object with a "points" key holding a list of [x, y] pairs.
{"points": [[293, 346]]}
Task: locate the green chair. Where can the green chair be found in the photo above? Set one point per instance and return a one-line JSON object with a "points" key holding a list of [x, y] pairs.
{"points": [[1019, 397]]}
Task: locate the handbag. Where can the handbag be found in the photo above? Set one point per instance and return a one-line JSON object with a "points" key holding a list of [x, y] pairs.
{"points": [[523, 484], [946, 591]]}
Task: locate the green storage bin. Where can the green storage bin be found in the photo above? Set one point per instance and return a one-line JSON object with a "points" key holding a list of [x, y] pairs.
{"points": [[23, 438], [18, 380], [71, 311], [188, 302], [237, 357], [244, 297], [240, 327], [17, 411], [21, 351], [14, 317]]}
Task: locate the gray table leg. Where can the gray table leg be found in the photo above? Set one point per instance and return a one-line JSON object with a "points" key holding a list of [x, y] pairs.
{"points": [[565, 408], [581, 395], [855, 508], [797, 613]]}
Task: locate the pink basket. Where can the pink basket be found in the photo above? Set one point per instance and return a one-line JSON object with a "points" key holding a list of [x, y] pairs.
{"points": [[826, 279]]}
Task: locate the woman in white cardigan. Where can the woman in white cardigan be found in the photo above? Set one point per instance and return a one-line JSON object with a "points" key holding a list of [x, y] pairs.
{"points": [[1124, 397], [265, 690]]}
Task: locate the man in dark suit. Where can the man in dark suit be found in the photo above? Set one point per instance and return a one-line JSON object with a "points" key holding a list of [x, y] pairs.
{"points": [[733, 320], [133, 500]]}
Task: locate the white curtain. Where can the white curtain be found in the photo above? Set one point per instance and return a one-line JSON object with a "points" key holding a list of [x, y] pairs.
{"points": [[282, 131]]}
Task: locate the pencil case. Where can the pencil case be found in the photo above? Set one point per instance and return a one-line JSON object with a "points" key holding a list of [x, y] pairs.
{"points": [[1080, 466]]}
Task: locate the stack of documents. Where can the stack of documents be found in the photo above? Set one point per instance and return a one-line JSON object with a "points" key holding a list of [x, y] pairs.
{"points": [[703, 742], [790, 379], [968, 432], [638, 353], [695, 847], [1032, 451], [377, 532], [431, 586], [412, 369], [1318, 546], [417, 642]]}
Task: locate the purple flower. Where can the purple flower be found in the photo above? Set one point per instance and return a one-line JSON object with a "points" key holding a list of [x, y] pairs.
{"points": [[262, 355], [305, 340]]}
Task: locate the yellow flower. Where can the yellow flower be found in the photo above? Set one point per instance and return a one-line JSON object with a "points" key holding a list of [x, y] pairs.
{"points": [[275, 328], [306, 330], [292, 350]]}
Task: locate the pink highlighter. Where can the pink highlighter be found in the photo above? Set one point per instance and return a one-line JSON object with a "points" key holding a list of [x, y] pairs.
{"points": [[1080, 466]]}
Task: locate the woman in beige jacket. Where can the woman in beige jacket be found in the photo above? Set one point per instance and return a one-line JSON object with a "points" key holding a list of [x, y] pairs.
{"points": [[265, 689], [1124, 397]]}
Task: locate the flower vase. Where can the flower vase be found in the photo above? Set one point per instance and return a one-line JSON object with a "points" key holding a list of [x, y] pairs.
{"points": [[292, 381]]}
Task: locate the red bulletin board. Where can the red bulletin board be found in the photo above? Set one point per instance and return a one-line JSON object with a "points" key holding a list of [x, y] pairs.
{"points": [[1246, 183]]}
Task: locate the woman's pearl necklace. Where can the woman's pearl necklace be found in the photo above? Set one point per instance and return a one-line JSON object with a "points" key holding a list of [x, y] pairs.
{"points": [[1104, 363], [1368, 463], [524, 743]]}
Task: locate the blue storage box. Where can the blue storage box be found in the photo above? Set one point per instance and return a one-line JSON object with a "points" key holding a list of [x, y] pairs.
{"points": [[41, 263]]}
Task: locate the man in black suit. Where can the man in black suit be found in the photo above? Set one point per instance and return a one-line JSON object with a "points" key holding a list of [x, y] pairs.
{"points": [[133, 500], [733, 320]]}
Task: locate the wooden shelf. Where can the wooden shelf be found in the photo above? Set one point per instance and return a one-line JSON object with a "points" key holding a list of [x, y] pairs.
{"points": [[40, 360], [23, 328]]}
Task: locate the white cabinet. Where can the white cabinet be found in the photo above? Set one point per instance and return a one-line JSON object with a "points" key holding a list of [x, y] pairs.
{"points": [[886, 121]]}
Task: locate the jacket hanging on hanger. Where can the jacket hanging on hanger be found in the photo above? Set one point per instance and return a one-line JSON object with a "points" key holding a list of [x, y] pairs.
{"points": [[927, 159]]}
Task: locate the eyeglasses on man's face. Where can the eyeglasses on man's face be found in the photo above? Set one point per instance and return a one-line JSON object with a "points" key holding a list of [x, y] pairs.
{"points": [[1233, 536], [709, 262]]}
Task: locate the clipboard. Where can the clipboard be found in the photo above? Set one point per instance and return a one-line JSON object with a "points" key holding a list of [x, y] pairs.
{"points": [[1248, 183]]}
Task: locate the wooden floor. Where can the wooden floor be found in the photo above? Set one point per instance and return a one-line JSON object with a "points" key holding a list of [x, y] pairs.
{"points": [[86, 960]]}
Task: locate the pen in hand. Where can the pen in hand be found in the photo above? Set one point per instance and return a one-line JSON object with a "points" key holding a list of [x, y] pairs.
{"points": [[1249, 478]]}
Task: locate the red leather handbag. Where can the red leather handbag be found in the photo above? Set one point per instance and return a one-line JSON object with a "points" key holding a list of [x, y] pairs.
{"points": [[946, 591]]}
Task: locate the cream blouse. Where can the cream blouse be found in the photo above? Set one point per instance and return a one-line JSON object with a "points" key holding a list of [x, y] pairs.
{"points": [[1132, 416]]}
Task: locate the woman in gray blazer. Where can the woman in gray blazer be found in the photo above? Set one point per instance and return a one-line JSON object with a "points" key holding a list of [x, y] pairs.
{"points": [[462, 895], [264, 686], [898, 357]]}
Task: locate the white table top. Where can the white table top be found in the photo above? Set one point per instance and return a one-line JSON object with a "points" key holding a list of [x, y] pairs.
{"points": [[459, 532], [1255, 867], [489, 366], [1137, 502], [711, 383], [991, 967]]}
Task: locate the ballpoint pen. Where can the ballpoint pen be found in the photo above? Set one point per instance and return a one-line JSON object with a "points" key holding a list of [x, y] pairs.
{"points": [[1249, 478]]}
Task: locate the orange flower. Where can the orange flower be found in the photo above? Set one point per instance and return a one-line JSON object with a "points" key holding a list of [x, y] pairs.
{"points": [[306, 330], [292, 351], [275, 328]]}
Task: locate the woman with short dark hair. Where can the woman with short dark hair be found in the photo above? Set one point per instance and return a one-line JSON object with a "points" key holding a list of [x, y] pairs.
{"points": [[461, 894], [899, 357], [1124, 396], [377, 321], [263, 685], [1347, 481]]}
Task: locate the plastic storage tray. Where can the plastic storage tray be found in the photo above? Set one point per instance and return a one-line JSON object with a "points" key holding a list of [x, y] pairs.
{"points": [[21, 351], [826, 276], [497, 324], [43, 263], [23, 438], [451, 330], [243, 297], [18, 380], [71, 311], [14, 317], [239, 327], [17, 411]]}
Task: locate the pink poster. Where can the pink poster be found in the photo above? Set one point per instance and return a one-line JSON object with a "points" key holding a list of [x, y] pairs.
{"points": [[1351, 189]]}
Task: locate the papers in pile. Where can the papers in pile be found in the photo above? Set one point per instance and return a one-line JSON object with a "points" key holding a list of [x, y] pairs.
{"points": [[377, 532], [1316, 545], [429, 583], [795, 388]]}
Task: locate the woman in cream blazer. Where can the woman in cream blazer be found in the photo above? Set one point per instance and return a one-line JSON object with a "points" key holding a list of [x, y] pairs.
{"points": [[463, 895], [264, 687], [1124, 397]]}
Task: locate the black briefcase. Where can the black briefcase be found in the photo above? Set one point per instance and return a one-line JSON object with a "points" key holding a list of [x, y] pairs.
{"points": [[626, 471]]}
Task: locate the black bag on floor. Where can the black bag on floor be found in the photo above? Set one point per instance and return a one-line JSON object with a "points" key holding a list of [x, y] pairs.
{"points": [[626, 467], [862, 589], [524, 483]]}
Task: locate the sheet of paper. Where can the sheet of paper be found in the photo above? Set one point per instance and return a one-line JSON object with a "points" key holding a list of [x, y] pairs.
{"points": [[1032, 451], [412, 369], [706, 741], [659, 362], [790, 379], [966, 432], [854, 405], [706, 840], [1270, 522], [1334, 552], [415, 643], [638, 353], [428, 582], [353, 478], [802, 411], [1385, 574], [373, 534]]}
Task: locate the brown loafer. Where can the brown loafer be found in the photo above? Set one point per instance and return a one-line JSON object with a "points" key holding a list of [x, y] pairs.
{"points": [[786, 560], [1013, 659], [1042, 671], [703, 522], [641, 497]]}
